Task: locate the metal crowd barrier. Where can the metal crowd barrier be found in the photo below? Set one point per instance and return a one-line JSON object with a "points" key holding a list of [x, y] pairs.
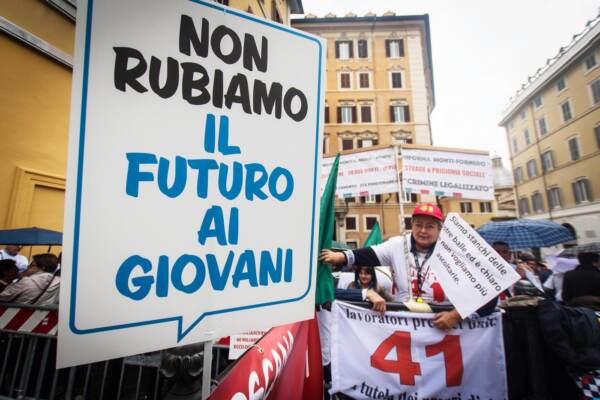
{"points": [[28, 371]]}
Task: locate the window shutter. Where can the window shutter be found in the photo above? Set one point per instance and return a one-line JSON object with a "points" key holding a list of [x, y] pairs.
{"points": [[407, 113], [375, 142], [392, 114], [575, 192], [378, 198], [387, 48], [337, 49], [588, 189], [327, 114], [339, 115], [354, 119], [351, 49], [401, 47]]}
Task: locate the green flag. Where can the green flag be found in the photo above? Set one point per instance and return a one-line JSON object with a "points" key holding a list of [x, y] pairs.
{"points": [[324, 289], [374, 236]]}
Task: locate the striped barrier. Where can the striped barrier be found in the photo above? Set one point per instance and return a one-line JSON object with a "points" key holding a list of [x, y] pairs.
{"points": [[29, 320]]}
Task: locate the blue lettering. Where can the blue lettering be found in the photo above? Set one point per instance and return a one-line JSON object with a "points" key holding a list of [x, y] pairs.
{"points": [[224, 147], [219, 279], [289, 183], [134, 175], [179, 179], [177, 273], [253, 184], [249, 273], [214, 216], [203, 166], [142, 283], [236, 180]]}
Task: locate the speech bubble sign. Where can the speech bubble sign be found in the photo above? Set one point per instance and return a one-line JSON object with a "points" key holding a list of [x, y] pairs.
{"points": [[192, 179]]}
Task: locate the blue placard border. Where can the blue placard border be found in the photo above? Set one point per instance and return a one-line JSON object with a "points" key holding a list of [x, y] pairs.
{"points": [[82, 125]]}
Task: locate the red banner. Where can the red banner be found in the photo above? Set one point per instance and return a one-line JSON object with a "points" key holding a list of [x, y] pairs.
{"points": [[284, 364]]}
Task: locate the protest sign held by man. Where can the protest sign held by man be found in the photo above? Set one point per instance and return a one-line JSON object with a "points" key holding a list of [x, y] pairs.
{"points": [[414, 248]]}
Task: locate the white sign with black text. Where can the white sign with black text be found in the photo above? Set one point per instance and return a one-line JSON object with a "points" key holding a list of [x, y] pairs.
{"points": [[195, 143], [470, 271]]}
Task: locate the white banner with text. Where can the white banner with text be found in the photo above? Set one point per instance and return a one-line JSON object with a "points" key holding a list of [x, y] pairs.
{"points": [[401, 355], [447, 173], [364, 174]]}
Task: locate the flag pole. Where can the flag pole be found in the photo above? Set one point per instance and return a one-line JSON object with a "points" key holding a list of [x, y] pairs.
{"points": [[397, 155]]}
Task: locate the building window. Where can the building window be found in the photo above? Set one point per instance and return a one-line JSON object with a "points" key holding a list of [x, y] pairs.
{"points": [[537, 202], [346, 114], [597, 134], [407, 223], [325, 144], [522, 115], [566, 111], [367, 143], [343, 49], [370, 222], [396, 80], [466, 207], [394, 48], [574, 149], [554, 200], [275, 13], [345, 80], [399, 113], [561, 84], [363, 80], [590, 62], [537, 101], [511, 124], [531, 169], [365, 114], [514, 145], [542, 127], [347, 144], [363, 48], [582, 190], [527, 137], [485, 207], [350, 223], [523, 206], [326, 114], [371, 199], [519, 175], [547, 161], [595, 88]]}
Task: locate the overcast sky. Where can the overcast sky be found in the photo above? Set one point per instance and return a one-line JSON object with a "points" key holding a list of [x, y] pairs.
{"points": [[482, 52]]}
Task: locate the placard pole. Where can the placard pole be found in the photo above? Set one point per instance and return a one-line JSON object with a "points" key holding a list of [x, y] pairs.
{"points": [[207, 369], [398, 154]]}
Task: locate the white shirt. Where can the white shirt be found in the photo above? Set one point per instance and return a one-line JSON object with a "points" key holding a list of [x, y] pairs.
{"points": [[21, 261]]}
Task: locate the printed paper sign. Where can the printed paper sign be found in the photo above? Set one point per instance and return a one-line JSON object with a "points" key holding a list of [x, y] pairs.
{"points": [[470, 271], [364, 173], [446, 173], [194, 146], [238, 344], [401, 355]]}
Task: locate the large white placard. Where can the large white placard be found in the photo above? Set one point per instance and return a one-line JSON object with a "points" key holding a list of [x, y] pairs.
{"points": [[401, 355], [447, 173], [194, 147], [364, 173], [470, 271]]}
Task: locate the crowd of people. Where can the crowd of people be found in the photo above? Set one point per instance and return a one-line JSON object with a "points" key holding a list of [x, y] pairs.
{"points": [[36, 283]]}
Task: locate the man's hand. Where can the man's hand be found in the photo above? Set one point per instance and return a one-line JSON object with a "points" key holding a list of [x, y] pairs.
{"points": [[521, 268], [446, 320], [332, 257], [377, 301]]}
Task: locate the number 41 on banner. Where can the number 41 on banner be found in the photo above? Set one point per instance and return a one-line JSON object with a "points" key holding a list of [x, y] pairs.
{"points": [[407, 369]]}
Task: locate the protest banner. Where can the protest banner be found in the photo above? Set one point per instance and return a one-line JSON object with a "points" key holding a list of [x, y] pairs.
{"points": [[238, 344], [447, 172], [284, 364], [364, 173], [401, 355], [470, 271], [194, 145]]}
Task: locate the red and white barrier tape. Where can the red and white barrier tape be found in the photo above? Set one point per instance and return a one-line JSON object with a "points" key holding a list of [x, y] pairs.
{"points": [[28, 320]]}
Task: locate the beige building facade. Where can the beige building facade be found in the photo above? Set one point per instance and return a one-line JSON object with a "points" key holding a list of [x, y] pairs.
{"points": [[379, 93], [553, 130]]}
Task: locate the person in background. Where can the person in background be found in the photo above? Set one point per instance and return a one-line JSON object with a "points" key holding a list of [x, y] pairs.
{"points": [[560, 266], [366, 278], [39, 285], [11, 252], [8, 273], [583, 281]]}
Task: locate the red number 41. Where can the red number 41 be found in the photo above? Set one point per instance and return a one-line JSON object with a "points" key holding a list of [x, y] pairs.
{"points": [[407, 369]]}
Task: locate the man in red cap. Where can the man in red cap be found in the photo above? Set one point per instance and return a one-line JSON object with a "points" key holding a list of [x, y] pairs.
{"points": [[427, 220]]}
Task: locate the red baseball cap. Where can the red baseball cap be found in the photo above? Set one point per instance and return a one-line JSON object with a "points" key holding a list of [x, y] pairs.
{"points": [[430, 210]]}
